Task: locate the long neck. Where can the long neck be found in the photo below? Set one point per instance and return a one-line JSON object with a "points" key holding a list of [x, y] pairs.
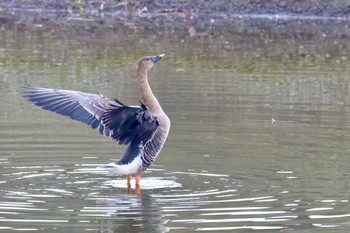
{"points": [[147, 96]]}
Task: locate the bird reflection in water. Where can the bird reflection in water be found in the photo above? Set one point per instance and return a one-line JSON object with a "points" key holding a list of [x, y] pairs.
{"points": [[128, 213]]}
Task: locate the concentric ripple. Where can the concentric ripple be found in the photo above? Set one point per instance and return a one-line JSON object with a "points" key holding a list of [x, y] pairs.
{"points": [[35, 198]]}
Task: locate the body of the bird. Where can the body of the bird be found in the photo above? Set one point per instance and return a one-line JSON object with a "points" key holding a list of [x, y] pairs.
{"points": [[139, 156], [143, 128]]}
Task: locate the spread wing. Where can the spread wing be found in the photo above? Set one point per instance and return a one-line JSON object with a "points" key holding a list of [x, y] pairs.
{"points": [[81, 106], [130, 124], [123, 123]]}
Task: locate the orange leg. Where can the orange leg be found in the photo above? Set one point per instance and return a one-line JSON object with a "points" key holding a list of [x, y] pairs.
{"points": [[138, 178], [137, 185], [128, 179]]}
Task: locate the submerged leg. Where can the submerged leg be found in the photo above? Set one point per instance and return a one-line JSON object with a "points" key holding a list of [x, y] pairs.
{"points": [[138, 178], [137, 185], [128, 179], [137, 190]]}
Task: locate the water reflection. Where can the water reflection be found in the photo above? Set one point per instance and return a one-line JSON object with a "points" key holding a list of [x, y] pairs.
{"points": [[74, 198], [128, 213]]}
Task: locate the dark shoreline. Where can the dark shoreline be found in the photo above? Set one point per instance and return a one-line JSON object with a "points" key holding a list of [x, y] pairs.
{"points": [[192, 18]]}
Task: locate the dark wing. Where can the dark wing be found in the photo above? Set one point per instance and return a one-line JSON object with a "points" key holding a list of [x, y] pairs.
{"points": [[130, 124], [85, 107]]}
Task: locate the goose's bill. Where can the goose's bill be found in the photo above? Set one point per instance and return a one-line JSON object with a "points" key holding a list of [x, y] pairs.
{"points": [[157, 58]]}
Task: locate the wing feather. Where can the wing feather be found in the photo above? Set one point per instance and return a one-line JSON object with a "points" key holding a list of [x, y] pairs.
{"points": [[81, 106], [124, 124], [130, 124]]}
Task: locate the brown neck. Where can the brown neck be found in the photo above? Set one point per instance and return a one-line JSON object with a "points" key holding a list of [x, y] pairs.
{"points": [[147, 96]]}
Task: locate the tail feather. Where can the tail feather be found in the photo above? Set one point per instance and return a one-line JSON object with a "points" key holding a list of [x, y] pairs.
{"points": [[130, 163]]}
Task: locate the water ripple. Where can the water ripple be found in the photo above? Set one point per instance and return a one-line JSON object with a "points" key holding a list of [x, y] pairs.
{"points": [[167, 199]]}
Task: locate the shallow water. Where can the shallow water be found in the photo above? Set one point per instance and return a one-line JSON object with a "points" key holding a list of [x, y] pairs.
{"points": [[259, 141]]}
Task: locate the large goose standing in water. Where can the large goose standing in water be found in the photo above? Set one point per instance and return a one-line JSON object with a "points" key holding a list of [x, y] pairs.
{"points": [[143, 128]]}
